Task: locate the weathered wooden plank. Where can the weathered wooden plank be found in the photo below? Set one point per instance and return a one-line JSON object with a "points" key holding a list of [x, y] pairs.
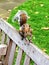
{"points": [[3, 38], [0, 43], [0, 57], [3, 49], [18, 59], [39, 57], [0, 62], [11, 57], [35, 64], [8, 53], [0, 36], [7, 40], [0, 30], [27, 60]]}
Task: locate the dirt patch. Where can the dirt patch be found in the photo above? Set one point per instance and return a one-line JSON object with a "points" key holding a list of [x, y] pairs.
{"points": [[6, 5]]}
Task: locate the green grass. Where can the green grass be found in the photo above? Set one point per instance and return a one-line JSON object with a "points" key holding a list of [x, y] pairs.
{"points": [[38, 10]]}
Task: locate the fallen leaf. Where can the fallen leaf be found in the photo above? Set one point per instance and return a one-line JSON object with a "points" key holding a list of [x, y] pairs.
{"points": [[36, 12], [45, 28], [46, 16], [41, 5], [9, 10], [44, 50]]}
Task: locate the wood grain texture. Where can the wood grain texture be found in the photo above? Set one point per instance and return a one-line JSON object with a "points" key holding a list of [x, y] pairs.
{"points": [[39, 57], [19, 56], [0, 30], [0, 62], [27, 60], [3, 38], [8, 53], [7, 40], [11, 57], [35, 64], [3, 49]]}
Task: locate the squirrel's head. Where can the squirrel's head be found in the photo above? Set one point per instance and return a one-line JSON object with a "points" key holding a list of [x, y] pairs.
{"points": [[26, 29]]}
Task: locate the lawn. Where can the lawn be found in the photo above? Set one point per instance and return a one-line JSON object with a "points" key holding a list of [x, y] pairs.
{"points": [[38, 10]]}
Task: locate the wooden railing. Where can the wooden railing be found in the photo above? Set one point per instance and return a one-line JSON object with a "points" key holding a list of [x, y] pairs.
{"points": [[12, 39]]}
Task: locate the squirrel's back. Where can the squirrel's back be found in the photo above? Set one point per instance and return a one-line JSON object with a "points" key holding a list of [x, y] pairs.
{"points": [[23, 19], [21, 16]]}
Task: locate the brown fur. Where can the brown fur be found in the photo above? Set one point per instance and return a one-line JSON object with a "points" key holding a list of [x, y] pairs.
{"points": [[23, 19], [25, 31]]}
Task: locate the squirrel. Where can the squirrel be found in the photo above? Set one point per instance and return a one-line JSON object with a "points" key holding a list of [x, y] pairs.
{"points": [[21, 16], [24, 29]]}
